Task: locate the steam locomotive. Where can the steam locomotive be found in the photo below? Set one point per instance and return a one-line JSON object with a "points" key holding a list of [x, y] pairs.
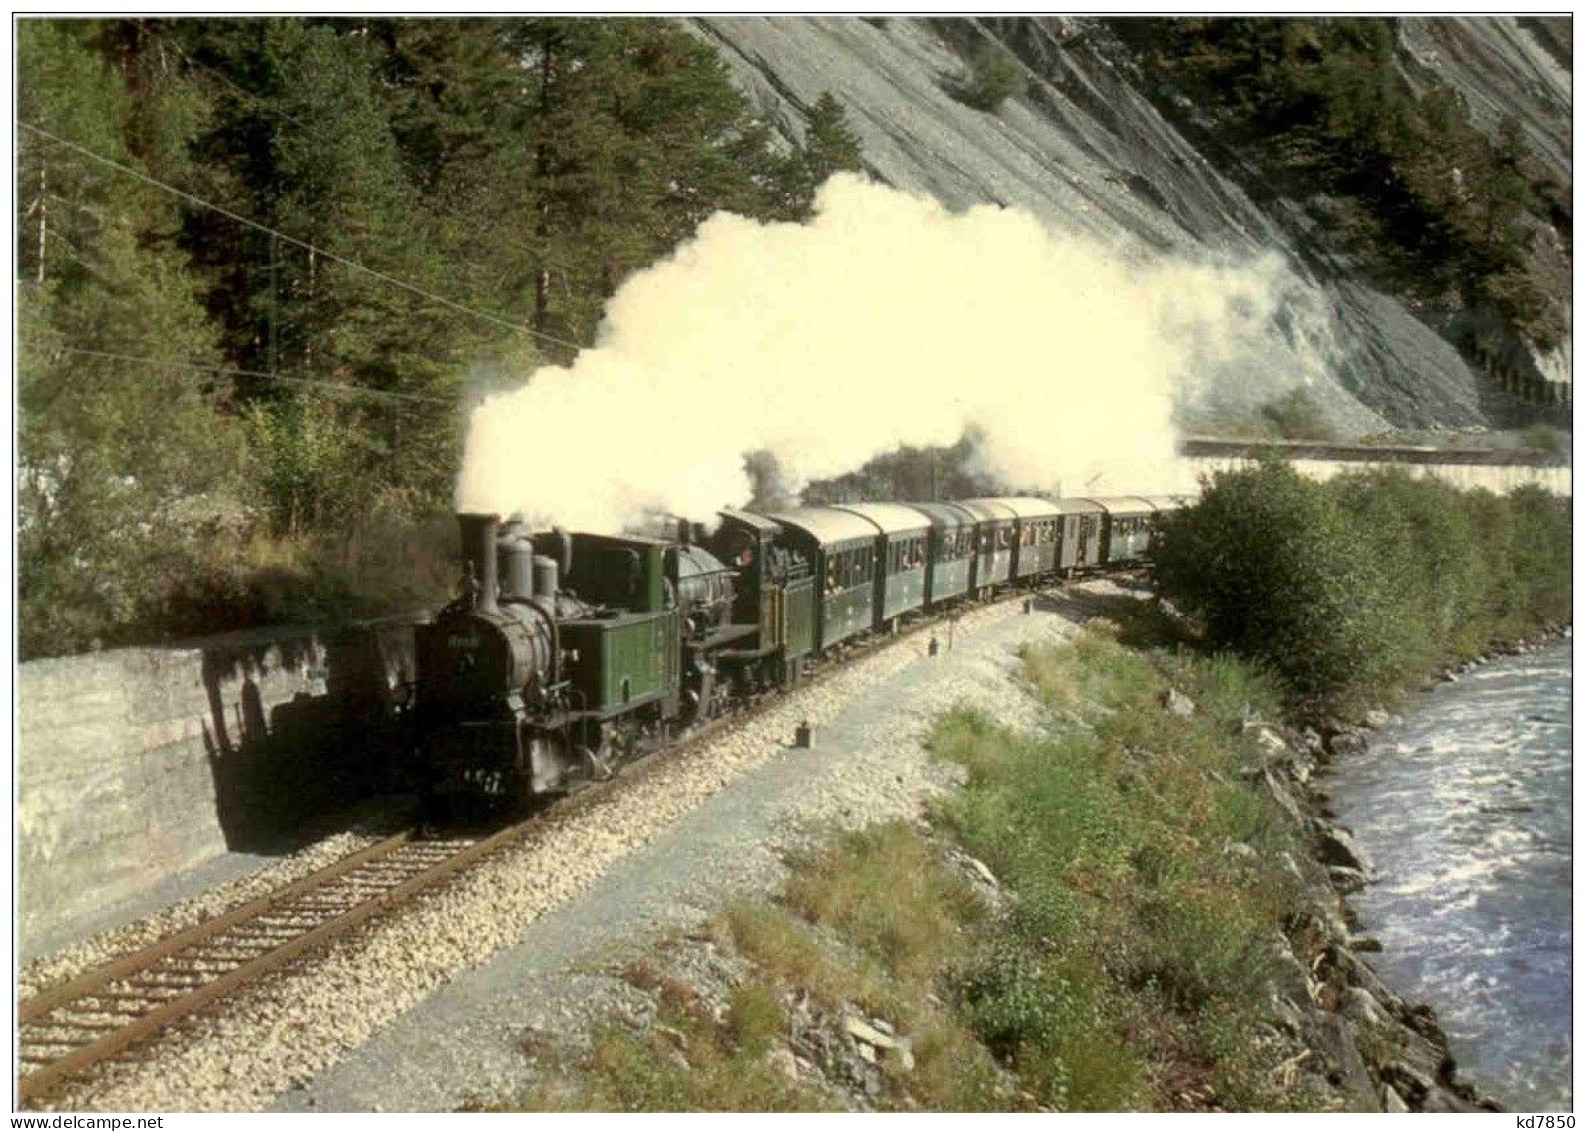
{"points": [[565, 654]]}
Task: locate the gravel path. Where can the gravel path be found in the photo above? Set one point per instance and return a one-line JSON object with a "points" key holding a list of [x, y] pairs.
{"points": [[500, 925]]}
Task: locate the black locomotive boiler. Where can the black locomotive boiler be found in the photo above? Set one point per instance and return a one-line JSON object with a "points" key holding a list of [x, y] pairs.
{"points": [[566, 653]]}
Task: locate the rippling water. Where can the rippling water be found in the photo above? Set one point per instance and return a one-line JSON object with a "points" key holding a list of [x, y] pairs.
{"points": [[1465, 807]]}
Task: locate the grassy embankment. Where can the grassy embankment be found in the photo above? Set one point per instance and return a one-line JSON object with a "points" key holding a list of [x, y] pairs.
{"points": [[1127, 957], [1121, 965]]}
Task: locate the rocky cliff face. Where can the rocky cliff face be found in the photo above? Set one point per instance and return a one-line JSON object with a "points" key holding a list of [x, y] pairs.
{"points": [[1084, 148]]}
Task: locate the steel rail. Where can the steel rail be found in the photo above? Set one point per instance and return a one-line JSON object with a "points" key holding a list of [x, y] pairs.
{"points": [[47, 1001]]}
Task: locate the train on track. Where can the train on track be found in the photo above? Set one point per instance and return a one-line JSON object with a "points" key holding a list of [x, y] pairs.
{"points": [[566, 654]]}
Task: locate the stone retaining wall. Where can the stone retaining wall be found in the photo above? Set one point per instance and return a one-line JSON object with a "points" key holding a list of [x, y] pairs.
{"points": [[137, 762]]}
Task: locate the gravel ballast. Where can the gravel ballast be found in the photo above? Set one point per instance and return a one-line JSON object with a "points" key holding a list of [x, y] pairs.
{"points": [[869, 764], [52, 969]]}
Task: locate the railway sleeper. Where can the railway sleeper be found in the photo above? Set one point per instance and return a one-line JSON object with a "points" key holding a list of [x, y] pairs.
{"points": [[293, 921], [391, 867], [62, 1048], [112, 1006], [429, 853], [125, 995], [90, 1025], [176, 979], [147, 993], [46, 1033], [368, 891], [261, 925], [235, 952], [320, 906], [41, 1061]]}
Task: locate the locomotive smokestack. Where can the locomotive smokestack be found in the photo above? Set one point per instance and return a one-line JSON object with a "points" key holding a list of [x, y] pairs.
{"points": [[478, 552]]}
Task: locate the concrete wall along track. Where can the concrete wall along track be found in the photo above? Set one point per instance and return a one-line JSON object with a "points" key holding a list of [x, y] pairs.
{"points": [[1498, 471], [136, 763]]}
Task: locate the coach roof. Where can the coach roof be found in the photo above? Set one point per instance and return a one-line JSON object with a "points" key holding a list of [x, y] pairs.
{"points": [[1027, 506], [826, 525], [988, 510], [890, 518]]}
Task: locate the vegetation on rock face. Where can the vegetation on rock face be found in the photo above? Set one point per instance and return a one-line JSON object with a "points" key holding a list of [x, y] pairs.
{"points": [[1440, 212], [518, 168], [994, 77], [1349, 588], [1296, 415], [830, 145]]}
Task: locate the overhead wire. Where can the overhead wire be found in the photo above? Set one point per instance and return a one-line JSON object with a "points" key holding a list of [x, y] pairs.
{"points": [[334, 386]]}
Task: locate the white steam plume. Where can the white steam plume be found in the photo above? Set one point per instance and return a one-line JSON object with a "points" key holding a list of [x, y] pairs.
{"points": [[884, 321]]}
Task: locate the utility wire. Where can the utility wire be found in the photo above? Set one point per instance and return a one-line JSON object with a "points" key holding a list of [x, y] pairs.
{"points": [[332, 256], [356, 390]]}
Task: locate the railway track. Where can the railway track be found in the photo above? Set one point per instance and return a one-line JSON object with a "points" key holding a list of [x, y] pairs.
{"points": [[106, 1013]]}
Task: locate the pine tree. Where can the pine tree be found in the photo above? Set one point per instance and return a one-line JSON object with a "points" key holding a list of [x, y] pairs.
{"points": [[125, 469], [830, 145]]}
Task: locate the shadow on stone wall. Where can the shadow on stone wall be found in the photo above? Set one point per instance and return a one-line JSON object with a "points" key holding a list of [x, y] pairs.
{"points": [[277, 769]]}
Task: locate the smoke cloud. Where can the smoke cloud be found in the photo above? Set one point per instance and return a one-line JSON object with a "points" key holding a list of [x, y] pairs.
{"points": [[884, 321]]}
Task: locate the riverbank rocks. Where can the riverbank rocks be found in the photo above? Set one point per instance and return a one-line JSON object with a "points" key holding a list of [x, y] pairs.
{"points": [[1337, 848], [1346, 880], [1284, 799], [1373, 1051], [1349, 740]]}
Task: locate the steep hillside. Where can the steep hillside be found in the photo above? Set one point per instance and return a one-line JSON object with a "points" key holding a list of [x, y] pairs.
{"points": [[1086, 146]]}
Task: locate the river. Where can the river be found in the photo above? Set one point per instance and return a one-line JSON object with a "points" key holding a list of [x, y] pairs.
{"points": [[1466, 808]]}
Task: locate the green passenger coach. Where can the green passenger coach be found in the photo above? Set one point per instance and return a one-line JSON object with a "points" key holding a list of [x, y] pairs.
{"points": [[902, 542], [841, 547], [951, 550]]}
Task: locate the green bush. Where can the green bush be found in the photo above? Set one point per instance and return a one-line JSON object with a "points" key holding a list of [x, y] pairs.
{"points": [[1541, 554], [1276, 570], [1297, 415], [754, 1017], [1350, 588], [1553, 443], [1430, 557], [994, 77]]}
